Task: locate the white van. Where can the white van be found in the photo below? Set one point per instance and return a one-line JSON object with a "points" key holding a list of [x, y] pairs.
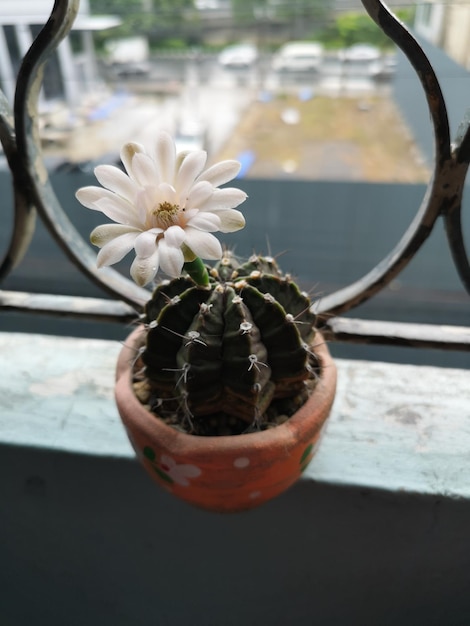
{"points": [[298, 56]]}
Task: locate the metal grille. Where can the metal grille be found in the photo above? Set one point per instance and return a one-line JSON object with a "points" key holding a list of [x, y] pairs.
{"points": [[34, 195]]}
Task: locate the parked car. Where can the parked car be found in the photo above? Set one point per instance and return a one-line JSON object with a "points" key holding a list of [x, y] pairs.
{"points": [[238, 56], [298, 56], [131, 70], [128, 57], [383, 69], [360, 52]]}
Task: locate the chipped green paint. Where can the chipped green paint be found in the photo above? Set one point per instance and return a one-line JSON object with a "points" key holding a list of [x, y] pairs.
{"points": [[306, 453]]}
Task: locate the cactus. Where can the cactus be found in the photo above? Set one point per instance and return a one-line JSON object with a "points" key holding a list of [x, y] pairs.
{"points": [[233, 352]]}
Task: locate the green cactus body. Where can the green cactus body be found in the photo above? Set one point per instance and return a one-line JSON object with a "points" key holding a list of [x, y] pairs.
{"points": [[231, 348]]}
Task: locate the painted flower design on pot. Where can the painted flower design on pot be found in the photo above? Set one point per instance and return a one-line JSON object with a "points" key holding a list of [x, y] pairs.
{"points": [[166, 207], [169, 470]]}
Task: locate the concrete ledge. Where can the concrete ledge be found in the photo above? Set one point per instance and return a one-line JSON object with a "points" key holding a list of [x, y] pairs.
{"points": [[399, 428]]}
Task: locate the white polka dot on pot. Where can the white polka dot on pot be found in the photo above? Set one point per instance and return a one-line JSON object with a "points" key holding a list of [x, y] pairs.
{"points": [[241, 462]]}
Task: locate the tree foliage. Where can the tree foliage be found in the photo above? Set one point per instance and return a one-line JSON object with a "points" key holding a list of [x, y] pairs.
{"points": [[248, 11], [143, 17], [357, 27]]}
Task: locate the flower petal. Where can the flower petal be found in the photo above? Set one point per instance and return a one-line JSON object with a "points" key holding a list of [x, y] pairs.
{"points": [[226, 198], [89, 195], [175, 236], [203, 244], [146, 243], [230, 220], [144, 170], [188, 214], [115, 180], [146, 200], [114, 207], [171, 258], [165, 154], [210, 222], [166, 193], [199, 194], [101, 235], [221, 173], [119, 211], [143, 270], [190, 168], [116, 249], [128, 151]]}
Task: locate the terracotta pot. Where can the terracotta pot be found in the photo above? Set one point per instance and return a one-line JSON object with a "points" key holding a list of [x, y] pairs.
{"points": [[226, 473]]}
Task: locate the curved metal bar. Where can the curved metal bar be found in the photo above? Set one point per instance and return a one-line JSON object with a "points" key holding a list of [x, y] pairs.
{"points": [[24, 213], [453, 216], [454, 231], [457, 246], [36, 184], [441, 187]]}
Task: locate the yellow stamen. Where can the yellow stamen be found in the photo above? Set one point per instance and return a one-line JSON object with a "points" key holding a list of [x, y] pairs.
{"points": [[166, 214]]}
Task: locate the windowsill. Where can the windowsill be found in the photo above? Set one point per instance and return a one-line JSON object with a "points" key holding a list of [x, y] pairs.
{"points": [[399, 428]]}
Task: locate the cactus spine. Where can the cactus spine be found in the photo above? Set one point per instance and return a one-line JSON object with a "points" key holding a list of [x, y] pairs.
{"points": [[230, 349]]}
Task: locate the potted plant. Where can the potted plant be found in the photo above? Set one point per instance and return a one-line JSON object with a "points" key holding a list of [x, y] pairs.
{"points": [[225, 384]]}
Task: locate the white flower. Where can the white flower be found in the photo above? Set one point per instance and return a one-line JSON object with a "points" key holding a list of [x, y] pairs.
{"points": [[178, 473], [166, 208]]}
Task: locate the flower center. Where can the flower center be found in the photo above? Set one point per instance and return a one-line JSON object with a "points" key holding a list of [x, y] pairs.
{"points": [[166, 214]]}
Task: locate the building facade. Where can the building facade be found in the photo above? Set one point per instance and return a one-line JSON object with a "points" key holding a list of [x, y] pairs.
{"points": [[446, 25], [71, 71]]}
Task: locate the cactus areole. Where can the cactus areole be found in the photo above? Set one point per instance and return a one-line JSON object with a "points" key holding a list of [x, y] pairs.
{"points": [[230, 357]]}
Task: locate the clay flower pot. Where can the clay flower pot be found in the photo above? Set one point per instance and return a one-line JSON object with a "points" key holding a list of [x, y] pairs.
{"points": [[226, 473]]}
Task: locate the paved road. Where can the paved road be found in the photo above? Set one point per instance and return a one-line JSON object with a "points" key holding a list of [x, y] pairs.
{"points": [[200, 90], [176, 94]]}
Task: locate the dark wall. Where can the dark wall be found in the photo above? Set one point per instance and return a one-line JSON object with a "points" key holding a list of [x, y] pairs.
{"points": [[90, 542]]}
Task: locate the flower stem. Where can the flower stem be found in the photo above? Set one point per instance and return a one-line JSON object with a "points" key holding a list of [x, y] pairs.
{"points": [[198, 271]]}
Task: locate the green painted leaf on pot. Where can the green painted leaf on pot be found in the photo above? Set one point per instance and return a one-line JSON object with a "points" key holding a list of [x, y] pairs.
{"points": [[149, 453], [162, 475], [306, 454]]}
